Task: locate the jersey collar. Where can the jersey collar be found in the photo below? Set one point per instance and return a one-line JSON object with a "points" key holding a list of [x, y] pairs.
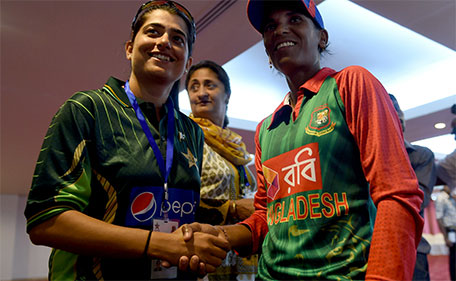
{"points": [[115, 89], [312, 85]]}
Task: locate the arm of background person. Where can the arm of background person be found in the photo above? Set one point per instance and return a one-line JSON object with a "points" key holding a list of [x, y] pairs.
{"points": [[444, 232], [223, 211], [422, 160], [242, 208], [446, 168], [439, 214]]}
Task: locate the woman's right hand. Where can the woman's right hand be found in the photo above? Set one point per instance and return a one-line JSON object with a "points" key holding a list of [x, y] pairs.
{"points": [[236, 235], [187, 242], [195, 263]]}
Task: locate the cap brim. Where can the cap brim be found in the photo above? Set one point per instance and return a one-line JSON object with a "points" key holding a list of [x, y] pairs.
{"points": [[255, 13], [257, 10]]}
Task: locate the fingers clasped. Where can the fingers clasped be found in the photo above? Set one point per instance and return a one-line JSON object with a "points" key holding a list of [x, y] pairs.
{"points": [[207, 246], [202, 248]]}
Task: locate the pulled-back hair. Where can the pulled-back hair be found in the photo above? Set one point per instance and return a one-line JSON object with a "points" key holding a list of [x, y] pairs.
{"points": [[139, 22], [221, 75]]}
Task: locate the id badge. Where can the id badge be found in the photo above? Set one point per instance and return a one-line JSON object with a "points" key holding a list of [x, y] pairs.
{"points": [[158, 271]]}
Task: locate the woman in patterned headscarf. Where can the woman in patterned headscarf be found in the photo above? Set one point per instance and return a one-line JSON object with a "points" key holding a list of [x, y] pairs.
{"points": [[225, 179]]}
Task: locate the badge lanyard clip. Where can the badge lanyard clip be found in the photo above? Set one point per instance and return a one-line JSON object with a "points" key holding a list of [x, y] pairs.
{"points": [[165, 211]]}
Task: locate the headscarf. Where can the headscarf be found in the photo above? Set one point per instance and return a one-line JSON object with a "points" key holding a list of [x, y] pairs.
{"points": [[224, 141]]}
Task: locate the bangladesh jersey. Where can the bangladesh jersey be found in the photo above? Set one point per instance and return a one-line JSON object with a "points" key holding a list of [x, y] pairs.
{"points": [[96, 159], [317, 176]]}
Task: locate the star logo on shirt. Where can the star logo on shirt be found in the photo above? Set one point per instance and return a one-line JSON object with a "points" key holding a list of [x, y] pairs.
{"points": [[181, 136], [191, 159]]}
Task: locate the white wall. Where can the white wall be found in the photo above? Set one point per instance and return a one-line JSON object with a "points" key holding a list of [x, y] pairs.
{"points": [[19, 258]]}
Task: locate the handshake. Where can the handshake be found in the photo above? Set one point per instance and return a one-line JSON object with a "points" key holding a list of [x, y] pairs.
{"points": [[199, 248]]}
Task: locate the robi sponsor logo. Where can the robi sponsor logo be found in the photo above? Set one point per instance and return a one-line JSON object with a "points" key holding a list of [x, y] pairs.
{"points": [[292, 172], [143, 206]]}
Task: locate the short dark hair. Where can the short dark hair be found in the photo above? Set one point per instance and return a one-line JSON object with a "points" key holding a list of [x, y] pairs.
{"points": [[395, 102], [139, 22], [221, 75]]}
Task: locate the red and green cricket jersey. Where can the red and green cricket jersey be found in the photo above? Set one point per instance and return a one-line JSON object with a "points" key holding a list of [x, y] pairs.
{"points": [[321, 167]]}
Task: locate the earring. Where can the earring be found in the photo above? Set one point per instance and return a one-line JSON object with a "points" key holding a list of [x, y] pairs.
{"points": [[323, 46], [270, 63]]}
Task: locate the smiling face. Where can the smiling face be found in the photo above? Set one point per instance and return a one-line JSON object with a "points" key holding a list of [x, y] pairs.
{"points": [[160, 49], [207, 96], [291, 41]]}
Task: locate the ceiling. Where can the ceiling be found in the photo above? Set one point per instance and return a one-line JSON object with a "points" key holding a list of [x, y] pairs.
{"points": [[51, 49]]}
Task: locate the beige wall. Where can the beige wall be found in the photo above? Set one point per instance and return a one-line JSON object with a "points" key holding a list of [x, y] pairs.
{"points": [[19, 258]]}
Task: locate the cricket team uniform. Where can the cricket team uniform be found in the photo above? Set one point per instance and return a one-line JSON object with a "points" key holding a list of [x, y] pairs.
{"points": [[321, 167], [96, 159]]}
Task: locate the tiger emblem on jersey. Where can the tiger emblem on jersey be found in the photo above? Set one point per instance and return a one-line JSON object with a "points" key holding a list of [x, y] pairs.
{"points": [[320, 122]]}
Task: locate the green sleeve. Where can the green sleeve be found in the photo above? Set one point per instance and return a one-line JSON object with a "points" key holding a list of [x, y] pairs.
{"points": [[62, 176]]}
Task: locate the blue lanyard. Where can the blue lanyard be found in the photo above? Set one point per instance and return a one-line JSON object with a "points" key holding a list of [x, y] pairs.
{"points": [[170, 136]]}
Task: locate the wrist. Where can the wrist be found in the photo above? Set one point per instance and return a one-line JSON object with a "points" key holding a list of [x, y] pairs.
{"points": [[158, 239], [225, 234], [232, 209], [146, 247]]}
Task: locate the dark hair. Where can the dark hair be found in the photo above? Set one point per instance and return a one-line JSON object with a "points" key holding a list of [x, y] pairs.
{"points": [[174, 94], [139, 20], [395, 102], [399, 112], [221, 75], [173, 8]]}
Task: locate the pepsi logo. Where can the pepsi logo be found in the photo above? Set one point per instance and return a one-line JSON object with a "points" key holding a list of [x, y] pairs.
{"points": [[178, 208], [143, 206]]}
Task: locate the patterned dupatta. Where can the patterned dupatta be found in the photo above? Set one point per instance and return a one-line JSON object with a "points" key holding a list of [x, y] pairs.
{"points": [[224, 141]]}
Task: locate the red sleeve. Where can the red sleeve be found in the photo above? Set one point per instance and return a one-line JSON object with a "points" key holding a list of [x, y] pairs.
{"points": [[374, 124], [257, 222]]}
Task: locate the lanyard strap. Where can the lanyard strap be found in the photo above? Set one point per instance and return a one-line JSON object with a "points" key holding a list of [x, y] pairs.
{"points": [[170, 136]]}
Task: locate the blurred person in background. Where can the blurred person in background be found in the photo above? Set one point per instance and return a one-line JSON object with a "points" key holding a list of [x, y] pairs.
{"points": [[445, 210], [446, 167], [227, 184], [422, 160], [445, 205]]}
